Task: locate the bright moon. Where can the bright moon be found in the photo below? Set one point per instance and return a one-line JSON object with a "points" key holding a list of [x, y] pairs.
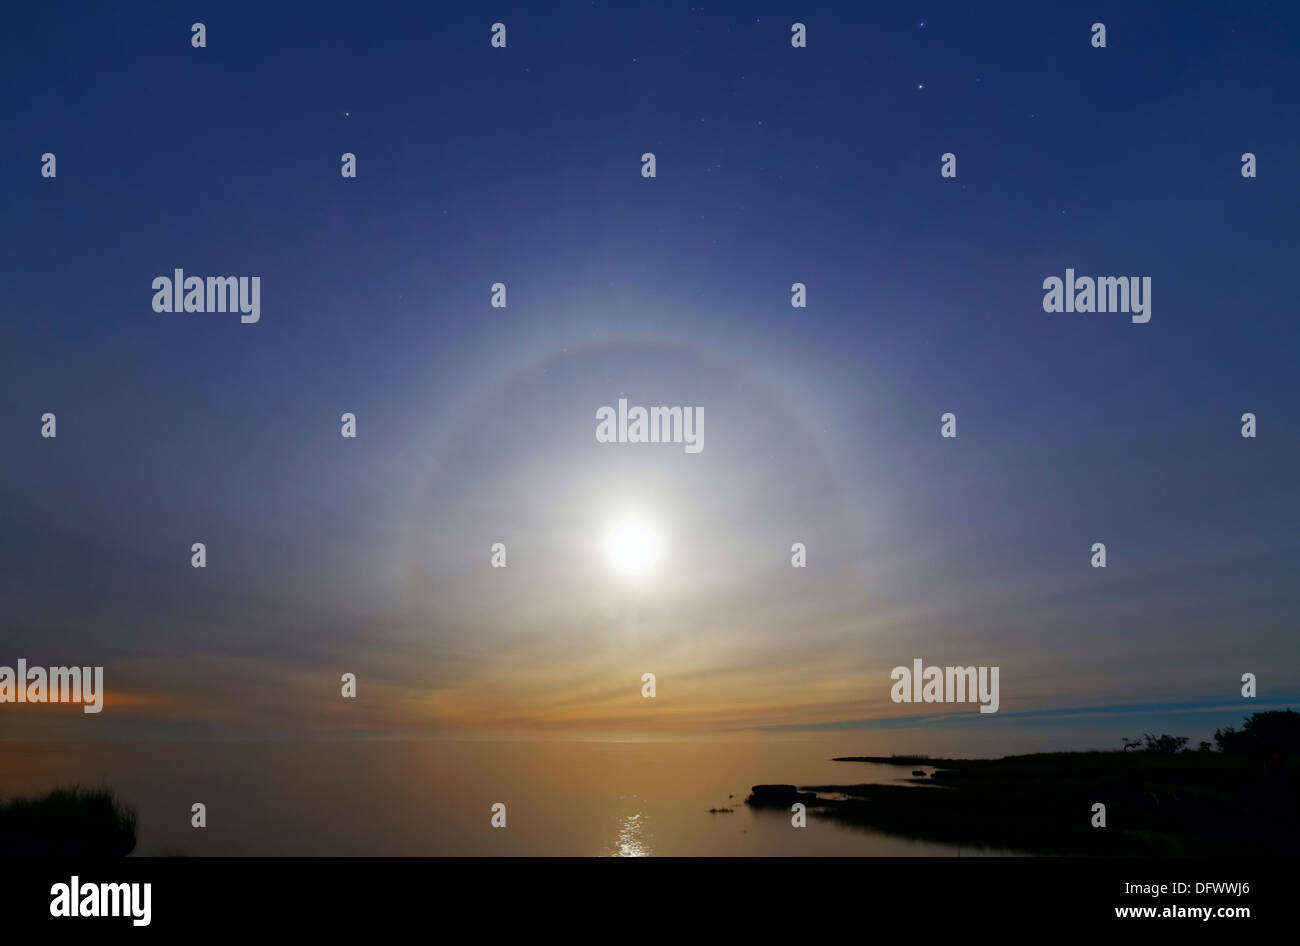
{"points": [[632, 546]]}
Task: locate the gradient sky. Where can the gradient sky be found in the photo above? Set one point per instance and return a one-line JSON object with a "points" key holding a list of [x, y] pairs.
{"points": [[476, 425]]}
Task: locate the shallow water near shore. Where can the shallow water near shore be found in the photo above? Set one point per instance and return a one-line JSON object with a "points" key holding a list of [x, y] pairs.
{"points": [[416, 798]]}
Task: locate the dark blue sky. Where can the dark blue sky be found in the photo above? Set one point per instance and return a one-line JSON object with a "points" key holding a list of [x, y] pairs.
{"points": [[522, 165]]}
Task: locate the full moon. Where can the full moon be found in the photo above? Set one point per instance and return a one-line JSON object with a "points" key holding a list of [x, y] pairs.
{"points": [[632, 546]]}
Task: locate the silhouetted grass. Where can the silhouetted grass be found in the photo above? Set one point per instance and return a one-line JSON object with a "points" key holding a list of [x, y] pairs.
{"points": [[68, 822]]}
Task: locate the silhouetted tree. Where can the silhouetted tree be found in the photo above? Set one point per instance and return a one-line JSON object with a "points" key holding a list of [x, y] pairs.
{"points": [[1275, 732], [1228, 739], [1164, 744]]}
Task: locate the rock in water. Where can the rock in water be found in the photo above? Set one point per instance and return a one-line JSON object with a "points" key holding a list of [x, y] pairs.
{"points": [[782, 795]]}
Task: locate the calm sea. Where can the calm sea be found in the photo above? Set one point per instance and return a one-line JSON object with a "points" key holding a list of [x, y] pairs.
{"points": [[435, 797]]}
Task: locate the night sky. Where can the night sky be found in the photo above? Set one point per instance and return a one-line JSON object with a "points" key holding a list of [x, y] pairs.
{"points": [[775, 165]]}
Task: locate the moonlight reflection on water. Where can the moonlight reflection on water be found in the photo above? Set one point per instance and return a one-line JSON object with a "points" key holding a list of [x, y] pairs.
{"points": [[632, 838]]}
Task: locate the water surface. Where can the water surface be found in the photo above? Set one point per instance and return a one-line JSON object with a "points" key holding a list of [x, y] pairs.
{"points": [[435, 797]]}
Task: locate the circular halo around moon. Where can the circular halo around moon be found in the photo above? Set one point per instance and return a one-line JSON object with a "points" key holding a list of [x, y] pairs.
{"points": [[517, 462]]}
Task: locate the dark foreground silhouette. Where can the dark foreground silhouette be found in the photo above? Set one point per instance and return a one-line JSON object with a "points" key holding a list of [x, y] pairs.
{"points": [[68, 822], [1242, 799]]}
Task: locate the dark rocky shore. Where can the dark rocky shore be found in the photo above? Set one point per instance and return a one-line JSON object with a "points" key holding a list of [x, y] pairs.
{"points": [[774, 796], [1179, 804]]}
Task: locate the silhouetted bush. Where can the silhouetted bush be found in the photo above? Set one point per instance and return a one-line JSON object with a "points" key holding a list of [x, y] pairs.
{"points": [[67, 823], [1164, 744], [1272, 732]]}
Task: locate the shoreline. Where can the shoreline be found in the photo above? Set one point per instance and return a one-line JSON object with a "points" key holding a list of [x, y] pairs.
{"points": [[1112, 803]]}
